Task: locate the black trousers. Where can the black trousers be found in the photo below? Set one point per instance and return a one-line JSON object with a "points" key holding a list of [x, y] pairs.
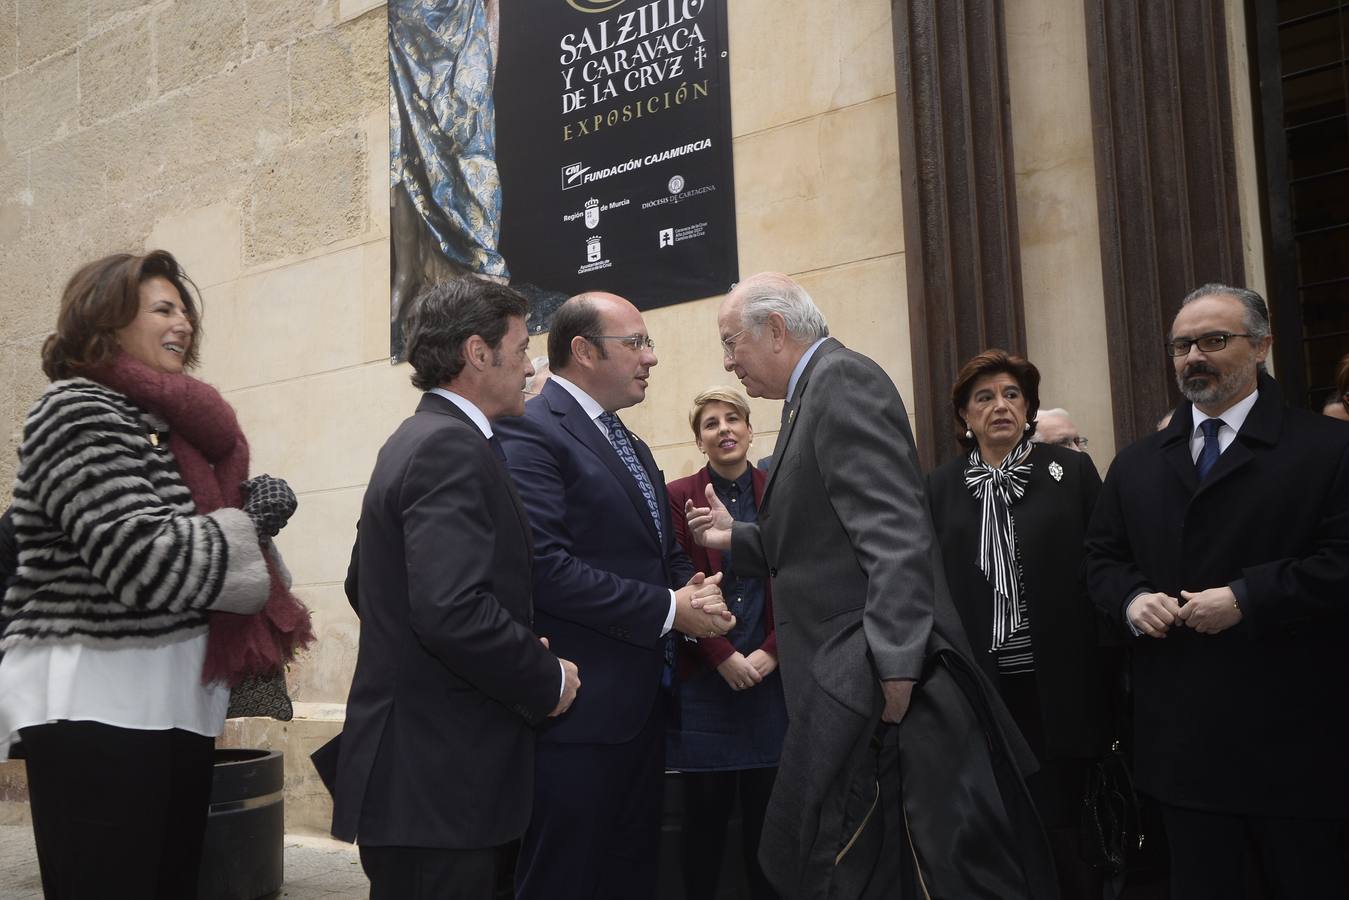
{"points": [[117, 812], [709, 798], [595, 829], [1297, 859], [422, 873]]}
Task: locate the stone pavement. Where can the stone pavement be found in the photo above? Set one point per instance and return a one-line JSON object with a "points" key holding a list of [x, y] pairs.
{"points": [[317, 868]]}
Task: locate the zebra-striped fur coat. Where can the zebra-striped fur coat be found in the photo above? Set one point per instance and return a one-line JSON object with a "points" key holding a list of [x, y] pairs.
{"points": [[111, 552]]}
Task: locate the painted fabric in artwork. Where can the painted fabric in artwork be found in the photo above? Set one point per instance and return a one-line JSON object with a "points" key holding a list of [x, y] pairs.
{"points": [[442, 126]]}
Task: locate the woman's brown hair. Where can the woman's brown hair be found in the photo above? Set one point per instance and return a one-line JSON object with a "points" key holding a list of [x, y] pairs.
{"points": [[104, 296], [994, 361]]}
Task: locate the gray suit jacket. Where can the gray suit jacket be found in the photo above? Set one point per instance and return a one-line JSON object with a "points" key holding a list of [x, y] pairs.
{"points": [[843, 528], [845, 533]]}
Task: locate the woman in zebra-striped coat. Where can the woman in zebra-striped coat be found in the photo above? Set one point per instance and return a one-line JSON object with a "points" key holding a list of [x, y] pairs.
{"points": [[123, 555]]}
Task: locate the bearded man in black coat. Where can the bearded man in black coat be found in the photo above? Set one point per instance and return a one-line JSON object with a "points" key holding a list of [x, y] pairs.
{"points": [[1220, 545]]}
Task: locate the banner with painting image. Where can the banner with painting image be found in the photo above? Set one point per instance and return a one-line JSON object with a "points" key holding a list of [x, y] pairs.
{"points": [[562, 145]]}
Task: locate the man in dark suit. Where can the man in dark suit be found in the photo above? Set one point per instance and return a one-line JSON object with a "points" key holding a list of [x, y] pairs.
{"points": [[862, 614], [610, 584], [436, 760], [1221, 544]]}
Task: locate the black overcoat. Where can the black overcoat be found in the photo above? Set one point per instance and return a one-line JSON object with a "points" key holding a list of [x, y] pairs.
{"points": [[1252, 720], [1051, 523]]}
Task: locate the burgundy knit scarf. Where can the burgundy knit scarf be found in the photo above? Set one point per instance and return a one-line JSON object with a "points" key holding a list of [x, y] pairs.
{"points": [[212, 456]]}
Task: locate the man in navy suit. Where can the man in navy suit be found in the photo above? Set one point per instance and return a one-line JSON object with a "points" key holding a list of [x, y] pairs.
{"points": [[434, 765], [611, 584]]}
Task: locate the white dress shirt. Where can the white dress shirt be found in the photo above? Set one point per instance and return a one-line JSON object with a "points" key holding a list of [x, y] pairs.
{"points": [[1233, 418], [801, 367]]}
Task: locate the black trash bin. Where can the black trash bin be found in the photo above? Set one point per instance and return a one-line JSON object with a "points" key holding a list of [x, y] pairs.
{"points": [[243, 858]]}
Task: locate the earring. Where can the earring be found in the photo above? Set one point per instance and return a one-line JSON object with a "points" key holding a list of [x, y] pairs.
{"points": [[1026, 427], [969, 435]]}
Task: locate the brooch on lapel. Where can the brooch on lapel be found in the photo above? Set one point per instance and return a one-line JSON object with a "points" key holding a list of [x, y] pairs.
{"points": [[1056, 471]]}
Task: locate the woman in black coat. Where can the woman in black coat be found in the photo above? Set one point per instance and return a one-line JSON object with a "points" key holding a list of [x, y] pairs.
{"points": [[1010, 516]]}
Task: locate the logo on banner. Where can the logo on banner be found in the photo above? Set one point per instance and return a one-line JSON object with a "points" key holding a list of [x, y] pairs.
{"points": [[671, 236], [592, 212], [573, 174], [595, 260], [594, 6], [676, 184]]}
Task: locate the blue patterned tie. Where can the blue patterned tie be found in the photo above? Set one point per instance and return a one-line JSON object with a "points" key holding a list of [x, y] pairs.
{"points": [[622, 444], [618, 437], [1208, 457]]}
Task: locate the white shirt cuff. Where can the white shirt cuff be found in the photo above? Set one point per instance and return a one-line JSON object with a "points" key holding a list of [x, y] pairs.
{"points": [[1127, 603], [669, 617]]}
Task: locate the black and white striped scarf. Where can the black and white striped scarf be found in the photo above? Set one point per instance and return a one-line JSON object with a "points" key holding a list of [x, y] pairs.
{"points": [[997, 488]]}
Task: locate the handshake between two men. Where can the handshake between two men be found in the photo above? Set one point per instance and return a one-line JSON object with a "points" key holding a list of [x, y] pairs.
{"points": [[700, 611]]}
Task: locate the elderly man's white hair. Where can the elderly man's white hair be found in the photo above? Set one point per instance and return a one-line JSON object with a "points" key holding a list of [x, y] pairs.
{"points": [[773, 292], [1056, 411]]}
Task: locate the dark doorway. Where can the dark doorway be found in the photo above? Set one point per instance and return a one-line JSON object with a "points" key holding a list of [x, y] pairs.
{"points": [[1300, 52]]}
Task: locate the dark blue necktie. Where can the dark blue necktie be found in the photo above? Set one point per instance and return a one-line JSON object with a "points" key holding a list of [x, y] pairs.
{"points": [[1208, 457], [495, 444], [618, 437]]}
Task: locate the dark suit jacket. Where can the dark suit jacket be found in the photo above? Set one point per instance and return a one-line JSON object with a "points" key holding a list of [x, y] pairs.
{"points": [[712, 652], [1251, 720], [438, 748], [1051, 523], [602, 576], [845, 533]]}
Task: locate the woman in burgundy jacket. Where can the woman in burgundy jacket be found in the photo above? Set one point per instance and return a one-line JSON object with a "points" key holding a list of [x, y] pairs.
{"points": [[728, 735]]}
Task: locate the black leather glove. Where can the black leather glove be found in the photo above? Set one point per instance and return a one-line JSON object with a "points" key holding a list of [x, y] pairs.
{"points": [[269, 502]]}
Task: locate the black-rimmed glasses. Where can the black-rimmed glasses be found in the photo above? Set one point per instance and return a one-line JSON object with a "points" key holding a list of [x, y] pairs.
{"points": [[1209, 343]]}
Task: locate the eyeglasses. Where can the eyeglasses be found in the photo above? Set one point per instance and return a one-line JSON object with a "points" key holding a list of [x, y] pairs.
{"points": [[634, 342], [728, 344], [1209, 343], [1067, 441]]}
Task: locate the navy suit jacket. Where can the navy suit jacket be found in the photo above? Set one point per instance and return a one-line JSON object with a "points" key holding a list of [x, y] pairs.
{"points": [[602, 574]]}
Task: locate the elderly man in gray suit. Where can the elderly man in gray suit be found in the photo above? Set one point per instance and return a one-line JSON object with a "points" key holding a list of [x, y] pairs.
{"points": [[867, 637]]}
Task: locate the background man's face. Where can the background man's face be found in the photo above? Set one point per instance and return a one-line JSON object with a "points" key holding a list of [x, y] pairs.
{"points": [[1215, 380], [1055, 429]]}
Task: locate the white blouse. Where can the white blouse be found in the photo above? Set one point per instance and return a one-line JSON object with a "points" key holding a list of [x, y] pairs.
{"points": [[146, 688]]}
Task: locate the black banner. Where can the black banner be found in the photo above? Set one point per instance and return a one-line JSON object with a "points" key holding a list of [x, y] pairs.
{"points": [[613, 145]]}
